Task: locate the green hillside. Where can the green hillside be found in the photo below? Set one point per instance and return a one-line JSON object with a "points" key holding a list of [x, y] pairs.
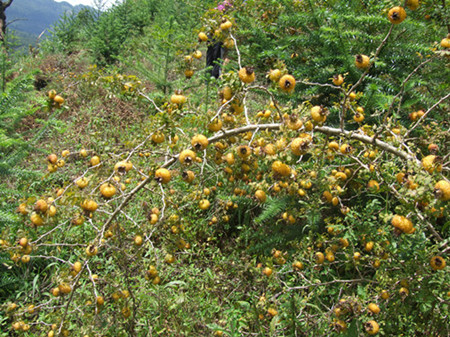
{"points": [[303, 192]]}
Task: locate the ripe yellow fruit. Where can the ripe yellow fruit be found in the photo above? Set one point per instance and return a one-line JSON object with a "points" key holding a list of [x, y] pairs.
{"points": [[319, 257], [274, 75], [162, 175], [189, 73], [123, 166], [445, 42], [384, 294], [197, 54], [300, 144], [362, 61], [91, 250], [345, 149], [83, 153], [82, 182], [178, 98], [225, 25], [373, 308], [204, 204], [76, 267], [202, 37], [287, 83], [403, 224], [36, 219], [107, 190], [396, 14], [188, 176], [431, 163], [138, 240], [272, 312], [215, 125], [338, 80], [442, 190], [169, 258], [267, 271], [41, 206], [280, 168], [186, 157], [247, 75], [260, 195], [372, 327], [158, 137], [52, 94], [318, 114], [95, 160], [89, 205], [373, 186], [199, 142], [358, 117], [437, 263], [412, 4], [58, 99], [244, 151]]}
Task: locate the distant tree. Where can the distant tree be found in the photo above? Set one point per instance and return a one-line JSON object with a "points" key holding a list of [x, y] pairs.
{"points": [[3, 5]]}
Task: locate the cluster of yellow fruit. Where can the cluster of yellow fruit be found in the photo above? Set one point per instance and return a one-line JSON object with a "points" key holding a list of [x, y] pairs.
{"points": [[41, 210], [55, 99]]}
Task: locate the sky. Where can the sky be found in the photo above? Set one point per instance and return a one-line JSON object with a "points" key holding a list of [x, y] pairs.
{"points": [[88, 2]]}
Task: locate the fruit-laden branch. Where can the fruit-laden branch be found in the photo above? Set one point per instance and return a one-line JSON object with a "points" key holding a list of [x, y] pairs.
{"points": [[273, 126]]}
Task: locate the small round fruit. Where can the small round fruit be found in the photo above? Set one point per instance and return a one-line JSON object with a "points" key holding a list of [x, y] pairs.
{"points": [[178, 98], [225, 25], [384, 294], [169, 258], [412, 4], [41, 206], [107, 190], [247, 75], [83, 153], [91, 250], [95, 160], [52, 94], [287, 83], [58, 99], [36, 219], [162, 175], [373, 308], [396, 14], [199, 142], [372, 327], [437, 263], [267, 271], [76, 267], [138, 240], [52, 158], [445, 42], [338, 80], [442, 190], [202, 37], [319, 257], [204, 204], [89, 205], [362, 61], [188, 176], [260, 195], [274, 75]]}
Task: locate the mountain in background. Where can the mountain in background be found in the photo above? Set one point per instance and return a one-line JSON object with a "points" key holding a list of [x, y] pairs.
{"points": [[29, 18]]}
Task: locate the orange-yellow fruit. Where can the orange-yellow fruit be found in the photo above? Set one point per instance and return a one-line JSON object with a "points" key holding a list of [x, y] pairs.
{"points": [[437, 263], [338, 79], [247, 75], [373, 308], [274, 75], [412, 4], [202, 37], [162, 175], [442, 190], [107, 190], [287, 83], [187, 157], [267, 271], [372, 327], [362, 61], [396, 14], [58, 99], [431, 163], [260, 195]]}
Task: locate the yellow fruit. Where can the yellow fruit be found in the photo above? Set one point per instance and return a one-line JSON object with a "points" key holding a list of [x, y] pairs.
{"points": [[247, 75], [225, 25], [89, 205], [52, 158], [126, 312], [187, 157], [318, 114], [358, 117], [41, 206], [272, 312], [412, 4], [162, 175], [123, 166], [244, 151], [52, 94], [384, 294], [188, 176], [64, 288], [169, 258], [287, 83], [204, 204], [362, 61], [58, 99], [442, 190], [431, 163], [107, 190], [82, 182], [76, 267], [215, 125], [373, 308], [95, 160], [372, 327], [197, 54], [437, 263], [178, 98], [345, 149], [22, 209], [396, 15], [445, 43], [260, 195], [274, 75], [403, 291], [189, 73], [91, 250], [338, 79], [199, 142], [36, 219], [138, 240], [158, 137], [267, 271], [373, 186], [402, 223], [319, 257], [202, 37], [280, 168], [300, 145]]}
